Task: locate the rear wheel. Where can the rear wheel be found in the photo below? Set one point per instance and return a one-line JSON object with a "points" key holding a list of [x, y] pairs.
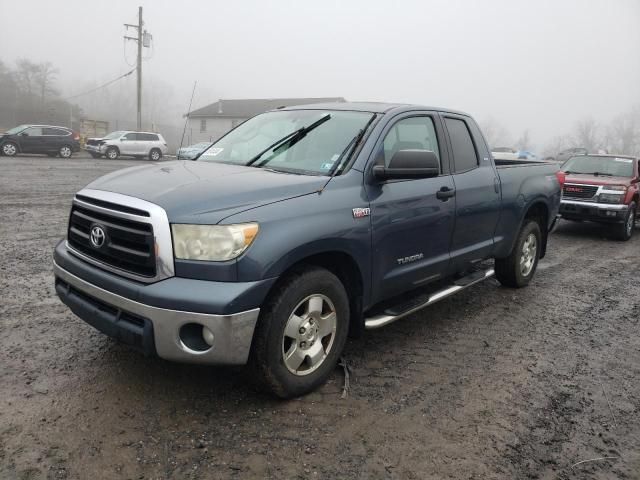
{"points": [[112, 153], [301, 333], [65, 151], [9, 149], [155, 155], [624, 231], [518, 268]]}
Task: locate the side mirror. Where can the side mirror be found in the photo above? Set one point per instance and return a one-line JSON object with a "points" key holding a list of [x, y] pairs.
{"points": [[409, 164]]}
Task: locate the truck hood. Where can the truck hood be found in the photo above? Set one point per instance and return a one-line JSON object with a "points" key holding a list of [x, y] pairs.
{"points": [[596, 180], [206, 193]]}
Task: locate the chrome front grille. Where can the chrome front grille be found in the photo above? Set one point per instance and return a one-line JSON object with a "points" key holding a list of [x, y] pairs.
{"points": [[121, 234]]}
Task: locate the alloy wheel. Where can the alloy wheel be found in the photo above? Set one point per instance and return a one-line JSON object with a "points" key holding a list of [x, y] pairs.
{"points": [[309, 334]]}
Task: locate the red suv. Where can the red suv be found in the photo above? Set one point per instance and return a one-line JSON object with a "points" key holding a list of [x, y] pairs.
{"points": [[601, 188]]}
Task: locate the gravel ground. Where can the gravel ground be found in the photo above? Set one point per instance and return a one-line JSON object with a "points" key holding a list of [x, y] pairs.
{"points": [[492, 383]]}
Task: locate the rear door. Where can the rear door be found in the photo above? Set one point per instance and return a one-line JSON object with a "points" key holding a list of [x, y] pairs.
{"points": [[411, 227], [54, 138], [477, 192], [147, 142]]}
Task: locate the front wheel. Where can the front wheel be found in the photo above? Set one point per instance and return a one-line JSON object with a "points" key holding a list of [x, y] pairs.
{"points": [[301, 333], [518, 268], [624, 231], [9, 149], [112, 153]]}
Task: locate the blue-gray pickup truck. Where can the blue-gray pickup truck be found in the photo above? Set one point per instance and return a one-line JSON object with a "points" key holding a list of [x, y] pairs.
{"points": [[298, 228]]}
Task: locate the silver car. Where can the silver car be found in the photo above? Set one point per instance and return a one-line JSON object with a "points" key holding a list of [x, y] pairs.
{"points": [[130, 144]]}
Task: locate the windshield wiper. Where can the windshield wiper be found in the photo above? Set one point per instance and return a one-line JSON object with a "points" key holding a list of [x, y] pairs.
{"points": [[598, 174], [290, 139], [351, 147]]}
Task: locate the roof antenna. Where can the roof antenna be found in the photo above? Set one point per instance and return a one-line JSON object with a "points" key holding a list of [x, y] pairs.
{"points": [[187, 118]]}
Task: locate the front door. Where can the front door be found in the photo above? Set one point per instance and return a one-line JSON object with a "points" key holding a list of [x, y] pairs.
{"points": [[32, 141], [129, 144], [411, 226]]}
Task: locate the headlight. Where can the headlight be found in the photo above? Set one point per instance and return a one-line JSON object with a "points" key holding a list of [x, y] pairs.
{"points": [[618, 188], [215, 243], [610, 198]]}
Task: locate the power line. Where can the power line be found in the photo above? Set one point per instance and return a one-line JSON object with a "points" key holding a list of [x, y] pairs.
{"points": [[102, 86]]}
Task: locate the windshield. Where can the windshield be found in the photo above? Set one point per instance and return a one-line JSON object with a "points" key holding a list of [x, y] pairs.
{"points": [[113, 135], [592, 164], [15, 130], [314, 153]]}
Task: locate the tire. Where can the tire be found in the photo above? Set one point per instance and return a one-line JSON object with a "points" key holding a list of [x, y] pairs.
{"points": [[306, 316], [624, 231], [518, 268], [94, 155], [65, 151], [112, 153], [155, 155], [9, 149]]}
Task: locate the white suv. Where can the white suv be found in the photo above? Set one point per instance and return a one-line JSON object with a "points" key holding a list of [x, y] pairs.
{"points": [[131, 144]]}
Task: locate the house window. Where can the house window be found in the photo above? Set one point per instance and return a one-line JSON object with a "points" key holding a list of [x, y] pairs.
{"points": [[203, 125]]}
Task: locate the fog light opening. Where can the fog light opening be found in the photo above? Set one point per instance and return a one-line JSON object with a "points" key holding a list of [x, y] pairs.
{"points": [[196, 337]]}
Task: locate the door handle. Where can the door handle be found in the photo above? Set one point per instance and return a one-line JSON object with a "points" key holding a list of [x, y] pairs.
{"points": [[445, 193]]}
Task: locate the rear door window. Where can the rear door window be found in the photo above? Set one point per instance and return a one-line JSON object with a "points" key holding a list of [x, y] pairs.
{"points": [[58, 132], [465, 156], [148, 137]]}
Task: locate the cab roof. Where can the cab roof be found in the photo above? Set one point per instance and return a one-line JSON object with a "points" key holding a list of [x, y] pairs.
{"points": [[372, 107]]}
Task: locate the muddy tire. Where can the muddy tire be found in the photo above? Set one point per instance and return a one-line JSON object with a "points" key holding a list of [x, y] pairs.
{"points": [[624, 230], [112, 153], [517, 270], [9, 149], [301, 333]]}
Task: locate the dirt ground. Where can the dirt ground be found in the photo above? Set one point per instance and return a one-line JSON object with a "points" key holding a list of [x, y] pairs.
{"points": [[493, 383]]}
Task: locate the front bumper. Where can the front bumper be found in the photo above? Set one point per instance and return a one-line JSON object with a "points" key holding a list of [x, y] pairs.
{"points": [[95, 148], [598, 212], [155, 330]]}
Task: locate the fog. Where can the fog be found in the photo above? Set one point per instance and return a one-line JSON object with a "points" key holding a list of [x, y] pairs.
{"points": [[530, 65]]}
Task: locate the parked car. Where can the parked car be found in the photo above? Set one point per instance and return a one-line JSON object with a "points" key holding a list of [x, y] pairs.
{"points": [[601, 188], [527, 155], [504, 153], [49, 140], [297, 228], [127, 143], [565, 155], [192, 151]]}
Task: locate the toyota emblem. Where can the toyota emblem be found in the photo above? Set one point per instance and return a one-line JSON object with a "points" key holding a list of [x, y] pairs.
{"points": [[97, 236]]}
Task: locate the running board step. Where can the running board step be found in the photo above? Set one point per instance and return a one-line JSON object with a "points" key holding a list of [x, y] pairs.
{"points": [[397, 312]]}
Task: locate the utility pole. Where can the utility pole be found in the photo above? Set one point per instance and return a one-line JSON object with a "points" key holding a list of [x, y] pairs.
{"points": [[143, 40]]}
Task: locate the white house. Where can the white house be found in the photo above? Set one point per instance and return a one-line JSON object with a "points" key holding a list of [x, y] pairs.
{"points": [[211, 122]]}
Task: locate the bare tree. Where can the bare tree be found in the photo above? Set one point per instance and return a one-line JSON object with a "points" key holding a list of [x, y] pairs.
{"points": [[587, 134], [623, 135], [524, 142], [26, 74], [44, 79], [556, 145], [495, 134]]}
